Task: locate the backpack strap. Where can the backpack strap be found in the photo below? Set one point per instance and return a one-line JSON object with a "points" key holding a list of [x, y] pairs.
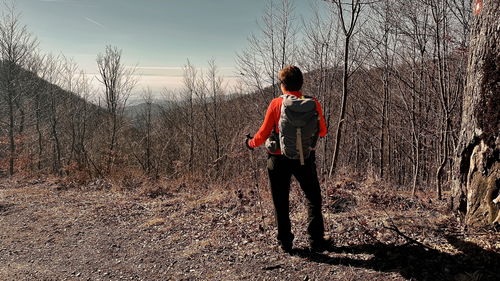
{"points": [[316, 135], [299, 145]]}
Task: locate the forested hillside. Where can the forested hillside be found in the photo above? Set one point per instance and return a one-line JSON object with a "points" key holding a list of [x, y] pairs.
{"points": [[395, 72]]}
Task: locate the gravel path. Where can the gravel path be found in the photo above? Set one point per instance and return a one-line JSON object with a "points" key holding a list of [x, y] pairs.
{"points": [[49, 233]]}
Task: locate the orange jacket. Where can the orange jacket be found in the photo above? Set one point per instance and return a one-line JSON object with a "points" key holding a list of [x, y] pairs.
{"points": [[273, 116]]}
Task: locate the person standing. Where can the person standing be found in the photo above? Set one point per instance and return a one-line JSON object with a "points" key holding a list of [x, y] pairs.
{"points": [[292, 152]]}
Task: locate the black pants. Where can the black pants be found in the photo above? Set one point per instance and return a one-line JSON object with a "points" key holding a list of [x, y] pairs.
{"points": [[280, 171]]}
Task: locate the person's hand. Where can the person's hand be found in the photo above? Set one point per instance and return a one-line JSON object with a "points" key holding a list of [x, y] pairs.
{"points": [[248, 138]]}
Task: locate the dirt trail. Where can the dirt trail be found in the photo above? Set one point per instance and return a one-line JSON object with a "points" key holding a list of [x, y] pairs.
{"points": [[51, 234]]}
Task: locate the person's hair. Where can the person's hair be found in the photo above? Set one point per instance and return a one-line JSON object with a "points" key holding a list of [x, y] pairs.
{"points": [[291, 78]]}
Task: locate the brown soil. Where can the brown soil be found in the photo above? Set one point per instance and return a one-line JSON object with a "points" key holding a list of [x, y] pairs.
{"points": [[53, 231]]}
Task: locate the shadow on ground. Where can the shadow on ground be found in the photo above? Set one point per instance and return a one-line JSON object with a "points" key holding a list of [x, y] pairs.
{"points": [[417, 262]]}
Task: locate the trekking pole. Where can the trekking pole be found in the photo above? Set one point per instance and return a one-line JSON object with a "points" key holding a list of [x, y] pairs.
{"points": [[256, 186]]}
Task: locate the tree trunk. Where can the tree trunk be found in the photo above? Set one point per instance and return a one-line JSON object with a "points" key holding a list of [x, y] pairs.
{"points": [[12, 143], [340, 123], [476, 179]]}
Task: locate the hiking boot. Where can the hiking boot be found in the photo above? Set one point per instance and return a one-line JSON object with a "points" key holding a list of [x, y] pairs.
{"points": [[286, 246], [321, 245]]}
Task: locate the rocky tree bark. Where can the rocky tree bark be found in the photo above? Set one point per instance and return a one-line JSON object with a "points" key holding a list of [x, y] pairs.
{"points": [[476, 185]]}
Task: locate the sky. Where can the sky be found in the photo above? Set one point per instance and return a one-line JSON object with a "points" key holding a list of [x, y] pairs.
{"points": [[158, 36]]}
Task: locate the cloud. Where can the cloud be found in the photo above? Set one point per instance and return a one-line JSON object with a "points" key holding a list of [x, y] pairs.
{"points": [[178, 71], [158, 67], [80, 3], [93, 21], [160, 82], [179, 67]]}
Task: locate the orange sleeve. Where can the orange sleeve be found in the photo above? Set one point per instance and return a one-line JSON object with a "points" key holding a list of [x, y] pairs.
{"points": [[322, 123], [268, 125]]}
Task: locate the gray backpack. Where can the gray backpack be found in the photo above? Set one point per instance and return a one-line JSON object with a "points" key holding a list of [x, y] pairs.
{"points": [[298, 128]]}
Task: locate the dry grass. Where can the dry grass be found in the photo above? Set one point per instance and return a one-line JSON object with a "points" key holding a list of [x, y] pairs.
{"points": [[154, 222]]}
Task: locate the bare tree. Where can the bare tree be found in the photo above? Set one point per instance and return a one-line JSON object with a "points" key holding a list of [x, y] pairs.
{"points": [[80, 126], [210, 95], [76, 83], [412, 22], [52, 75], [37, 67], [348, 15], [383, 38], [439, 11], [17, 46], [271, 50], [461, 10], [190, 78], [319, 58], [118, 81], [145, 120]]}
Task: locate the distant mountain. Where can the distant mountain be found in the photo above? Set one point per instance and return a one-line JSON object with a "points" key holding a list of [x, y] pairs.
{"points": [[137, 107], [133, 111], [36, 93]]}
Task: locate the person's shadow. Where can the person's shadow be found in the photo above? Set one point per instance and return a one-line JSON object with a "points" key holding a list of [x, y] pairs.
{"points": [[417, 262]]}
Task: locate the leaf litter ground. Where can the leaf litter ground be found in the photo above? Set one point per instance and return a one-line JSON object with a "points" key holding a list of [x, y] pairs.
{"points": [[50, 230]]}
